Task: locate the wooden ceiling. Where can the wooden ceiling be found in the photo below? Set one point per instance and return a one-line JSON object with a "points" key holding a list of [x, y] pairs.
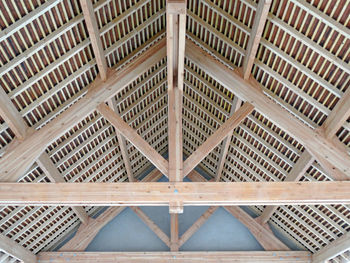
{"points": [[47, 64]]}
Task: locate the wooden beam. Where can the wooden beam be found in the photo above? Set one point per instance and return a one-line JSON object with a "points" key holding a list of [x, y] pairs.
{"points": [[94, 35], [86, 233], [255, 36], [50, 170], [162, 236], [183, 257], [174, 232], [333, 249], [129, 133], [176, 31], [122, 144], [14, 249], [249, 90], [11, 116], [226, 143], [161, 194], [202, 151], [299, 169], [197, 225], [262, 234], [338, 116], [21, 155]]}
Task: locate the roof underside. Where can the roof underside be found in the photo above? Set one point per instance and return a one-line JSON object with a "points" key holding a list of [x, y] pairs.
{"points": [[47, 63]]}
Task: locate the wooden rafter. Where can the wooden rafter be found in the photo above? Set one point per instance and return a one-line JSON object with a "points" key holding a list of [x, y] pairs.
{"points": [[332, 250], [183, 257], [226, 143], [250, 91], [129, 133], [12, 117], [161, 194], [202, 151], [22, 155], [122, 144], [54, 175], [338, 116], [11, 247], [255, 36], [298, 170], [94, 34], [87, 232], [263, 234]]}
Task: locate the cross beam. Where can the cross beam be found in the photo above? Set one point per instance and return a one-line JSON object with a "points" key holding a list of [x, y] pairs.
{"points": [[161, 194]]}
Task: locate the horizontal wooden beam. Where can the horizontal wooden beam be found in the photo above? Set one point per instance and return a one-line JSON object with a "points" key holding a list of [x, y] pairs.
{"points": [[21, 155], [12, 248], [183, 257], [249, 90], [129, 133], [202, 151], [161, 194]]}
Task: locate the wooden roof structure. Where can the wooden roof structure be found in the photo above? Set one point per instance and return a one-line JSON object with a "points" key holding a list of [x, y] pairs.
{"points": [[252, 93]]}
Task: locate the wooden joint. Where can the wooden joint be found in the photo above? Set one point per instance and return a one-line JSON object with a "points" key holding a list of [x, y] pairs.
{"points": [[176, 207], [177, 7]]}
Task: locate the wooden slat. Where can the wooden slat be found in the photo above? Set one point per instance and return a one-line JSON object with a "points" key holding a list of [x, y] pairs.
{"points": [[226, 143], [122, 144], [94, 34], [263, 234], [174, 232], [87, 232], [197, 225], [11, 247], [21, 155], [54, 175], [11, 116], [183, 257], [333, 249], [129, 133], [250, 91], [162, 236], [255, 36], [161, 194], [298, 170], [209, 145], [338, 116]]}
